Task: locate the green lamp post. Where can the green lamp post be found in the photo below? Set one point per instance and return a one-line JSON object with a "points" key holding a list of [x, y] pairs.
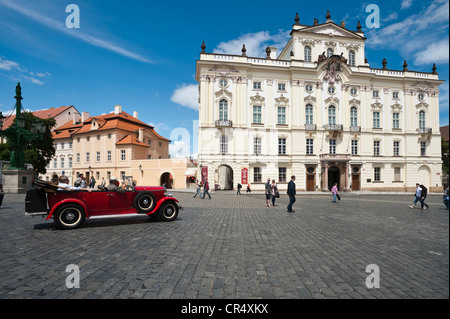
{"points": [[18, 136]]}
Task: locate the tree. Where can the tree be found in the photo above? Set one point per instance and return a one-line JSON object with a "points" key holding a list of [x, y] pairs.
{"points": [[445, 156], [37, 152]]}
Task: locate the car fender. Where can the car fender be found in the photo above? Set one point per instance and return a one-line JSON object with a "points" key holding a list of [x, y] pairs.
{"points": [[161, 202], [67, 201]]}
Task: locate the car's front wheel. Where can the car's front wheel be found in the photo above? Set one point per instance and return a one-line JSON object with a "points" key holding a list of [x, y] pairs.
{"points": [[69, 216], [168, 212]]}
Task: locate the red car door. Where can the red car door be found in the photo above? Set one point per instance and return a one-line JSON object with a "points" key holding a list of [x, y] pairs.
{"points": [[119, 201]]}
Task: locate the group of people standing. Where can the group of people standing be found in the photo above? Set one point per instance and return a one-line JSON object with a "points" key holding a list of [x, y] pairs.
{"points": [[271, 192]]}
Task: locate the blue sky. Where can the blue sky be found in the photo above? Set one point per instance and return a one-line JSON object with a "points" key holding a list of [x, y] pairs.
{"points": [[142, 54]]}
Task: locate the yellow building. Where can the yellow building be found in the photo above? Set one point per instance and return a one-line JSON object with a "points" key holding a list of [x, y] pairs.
{"points": [[116, 145]]}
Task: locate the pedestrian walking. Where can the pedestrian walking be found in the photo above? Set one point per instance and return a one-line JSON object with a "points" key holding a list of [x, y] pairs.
{"points": [[274, 192], [197, 189], [248, 189], [445, 198], [417, 196], [239, 186], [206, 190], [103, 182], [267, 188], [334, 191], [423, 196], [291, 192]]}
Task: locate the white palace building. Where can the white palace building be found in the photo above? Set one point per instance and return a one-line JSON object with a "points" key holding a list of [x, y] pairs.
{"points": [[317, 110]]}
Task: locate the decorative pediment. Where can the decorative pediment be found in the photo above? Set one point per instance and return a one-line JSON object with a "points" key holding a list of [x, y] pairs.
{"points": [[376, 107], [355, 102], [396, 107], [257, 99], [223, 93], [282, 101], [332, 30], [422, 105], [223, 69], [332, 100], [310, 99]]}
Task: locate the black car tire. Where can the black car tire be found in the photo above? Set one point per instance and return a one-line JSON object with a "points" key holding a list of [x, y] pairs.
{"points": [[168, 212], [144, 202], [70, 216]]}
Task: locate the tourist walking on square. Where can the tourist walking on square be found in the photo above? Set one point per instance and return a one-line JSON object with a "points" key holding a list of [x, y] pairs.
{"points": [[274, 192], [334, 191], [291, 192], [268, 191], [239, 186], [248, 189], [197, 189], [423, 196], [417, 196], [445, 198], [206, 190]]}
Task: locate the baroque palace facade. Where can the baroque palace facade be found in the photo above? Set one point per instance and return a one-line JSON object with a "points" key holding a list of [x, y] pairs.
{"points": [[319, 111]]}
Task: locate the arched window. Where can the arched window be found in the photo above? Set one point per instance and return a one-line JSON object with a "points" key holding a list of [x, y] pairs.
{"points": [[422, 119], [223, 110], [332, 115], [353, 116], [330, 52], [351, 58], [309, 114], [307, 54]]}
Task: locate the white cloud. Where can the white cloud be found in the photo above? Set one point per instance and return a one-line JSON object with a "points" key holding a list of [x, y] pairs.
{"points": [[8, 65], [76, 33], [186, 95], [179, 149], [255, 43], [435, 53], [19, 73], [406, 4]]}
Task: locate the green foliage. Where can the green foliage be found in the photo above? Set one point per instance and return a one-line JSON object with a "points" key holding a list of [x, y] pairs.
{"points": [[445, 156]]}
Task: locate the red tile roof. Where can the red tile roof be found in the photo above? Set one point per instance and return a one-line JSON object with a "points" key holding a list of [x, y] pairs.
{"points": [[43, 114], [444, 132]]}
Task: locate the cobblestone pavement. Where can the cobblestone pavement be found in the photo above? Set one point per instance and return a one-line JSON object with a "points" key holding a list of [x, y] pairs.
{"points": [[233, 247]]}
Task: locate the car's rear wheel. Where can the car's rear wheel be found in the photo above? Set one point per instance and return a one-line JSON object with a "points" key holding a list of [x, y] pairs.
{"points": [[144, 202], [168, 212], [69, 216]]}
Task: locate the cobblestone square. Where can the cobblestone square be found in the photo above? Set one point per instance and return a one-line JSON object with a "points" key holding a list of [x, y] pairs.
{"points": [[232, 247]]}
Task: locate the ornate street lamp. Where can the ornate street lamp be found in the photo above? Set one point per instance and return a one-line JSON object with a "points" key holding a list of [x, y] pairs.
{"points": [[18, 136]]}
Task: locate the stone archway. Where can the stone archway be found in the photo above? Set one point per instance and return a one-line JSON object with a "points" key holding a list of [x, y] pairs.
{"points": [[166, 180], [333, 177], [225, 177]]}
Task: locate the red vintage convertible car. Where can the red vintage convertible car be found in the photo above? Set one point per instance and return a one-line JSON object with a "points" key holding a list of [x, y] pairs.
{"points": [[70, 208]]}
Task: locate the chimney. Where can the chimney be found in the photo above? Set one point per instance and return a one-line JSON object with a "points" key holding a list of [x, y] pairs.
{"points": [[74, 118], [117, 109], [135, 114], [141, 134], [273, 53], [84, 116]]}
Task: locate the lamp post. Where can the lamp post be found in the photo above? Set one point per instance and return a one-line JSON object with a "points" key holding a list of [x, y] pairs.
{"points": [[18, 136]]}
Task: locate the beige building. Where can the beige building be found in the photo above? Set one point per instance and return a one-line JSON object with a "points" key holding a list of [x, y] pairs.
{"points": [[319, 111], [114, 145]]}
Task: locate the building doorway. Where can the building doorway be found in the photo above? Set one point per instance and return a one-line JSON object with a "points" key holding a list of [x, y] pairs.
{"points": [[167, 180], [356, 185], [333, 177], [225, 177], [310, 179]]}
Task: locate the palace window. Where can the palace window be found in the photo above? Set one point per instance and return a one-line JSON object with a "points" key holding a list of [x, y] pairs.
{"points": [[257, 85], [376, 94], [223, 83], [308, 88], [98, 156], [123, 155], [70, 162], [395, 95], [281, 86], [257, 176], [309, 146], [88, 157], [223, 144], [377, 174], [354, 147], [353, 116], [257, 114], [422, 119], [281, 115], [332, 146], [396, 148], [330, 52], [376, 147], [62, 162], [351, 58], [309, 114], [395, 120], [282, 146], [223, 110], [108, 156], [55, 163], [332, 115], [257, 145], [397, 174], [376, 120], [78, 157], [423, 148], [307, 54], [282, 174]]}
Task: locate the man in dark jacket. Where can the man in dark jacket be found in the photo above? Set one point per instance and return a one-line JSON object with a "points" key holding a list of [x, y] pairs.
{"points": [[291, 192], [423, 196]]}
